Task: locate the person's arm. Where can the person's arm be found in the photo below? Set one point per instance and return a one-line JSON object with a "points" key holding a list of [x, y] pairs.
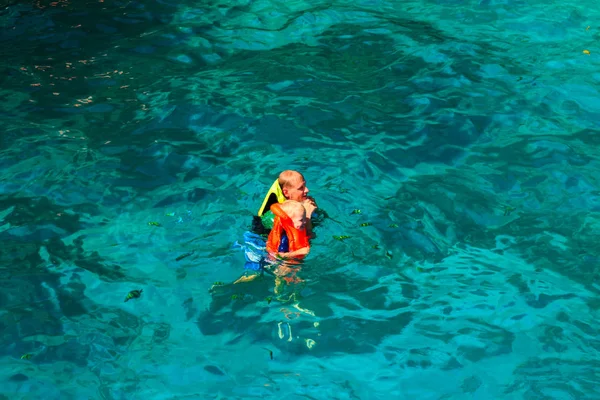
{"points": [[309, 231], [298, 253], [310, 206]]}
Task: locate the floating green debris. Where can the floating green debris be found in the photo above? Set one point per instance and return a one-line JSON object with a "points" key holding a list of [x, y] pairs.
{"points": [[375, 246], [171, 214], [344, 190], [134, 294], [153, 223], [507, 210], [181, 257], [366, 224], [26, 356], [356, 211], [342, 237], [269, 300], [237, 297], [389, 254], [393, 225]]}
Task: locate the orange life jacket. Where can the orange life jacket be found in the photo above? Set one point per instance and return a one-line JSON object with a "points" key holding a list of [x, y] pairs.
{"points": [[297, 237]]}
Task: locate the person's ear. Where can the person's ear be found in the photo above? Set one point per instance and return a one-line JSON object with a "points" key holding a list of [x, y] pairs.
{"points": [[285, 192]]}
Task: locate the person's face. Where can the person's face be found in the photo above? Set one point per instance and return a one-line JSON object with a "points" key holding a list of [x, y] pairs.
{"points": [[296, 190], [299, 219]]}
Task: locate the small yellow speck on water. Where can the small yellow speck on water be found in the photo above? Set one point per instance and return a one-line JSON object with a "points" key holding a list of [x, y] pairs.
{"points": [[586, 52], [316, 324], [588, 28]]}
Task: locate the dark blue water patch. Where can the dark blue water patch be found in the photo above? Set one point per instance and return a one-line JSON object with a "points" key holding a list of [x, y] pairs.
{"points": [[69, 110], [192, 14], [70, 351], [168, 41], [190, 309], [167, 168], [112, 150], [202, 116], [154, 125], [501, 183], [214, 370], [106, 28], [41, 317], [534, 181], [117, 197], [571, 184], [99, 82], [192, 174], [213, 324], [543, 299], [324, 120], [148, 16], [188, 118], [444, 154], [272, 129], [169, 3], [70, 304], [18, 378], [79, 14], [40, 211], [70, 44], [43, 37], [32, 234], [96, 265], [10, 73], [145, 49], [100, 108], [192, 196], [366, 335], [129, 21], [145, 183], [591, 260]]}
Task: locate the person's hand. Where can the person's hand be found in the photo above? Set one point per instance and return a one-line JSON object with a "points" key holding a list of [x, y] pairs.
{"points": [[312, 200], [309, 206]]}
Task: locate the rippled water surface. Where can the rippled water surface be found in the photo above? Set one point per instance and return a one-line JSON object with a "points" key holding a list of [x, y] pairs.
{"points": [[133, 133]]}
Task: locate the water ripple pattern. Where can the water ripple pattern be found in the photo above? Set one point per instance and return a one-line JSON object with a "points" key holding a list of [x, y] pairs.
{"points": [[451, 147]]}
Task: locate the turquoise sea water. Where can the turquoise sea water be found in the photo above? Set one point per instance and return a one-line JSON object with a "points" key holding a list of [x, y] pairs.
{"points": [[465, 132]]}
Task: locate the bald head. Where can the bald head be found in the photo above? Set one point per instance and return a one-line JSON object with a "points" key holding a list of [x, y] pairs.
{"points": [[287, 177], [293, 185]]}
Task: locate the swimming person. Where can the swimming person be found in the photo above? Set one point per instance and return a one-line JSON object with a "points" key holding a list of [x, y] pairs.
{"points": [[290, 185], [289, 226], [290, 230], [287, 243]]}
